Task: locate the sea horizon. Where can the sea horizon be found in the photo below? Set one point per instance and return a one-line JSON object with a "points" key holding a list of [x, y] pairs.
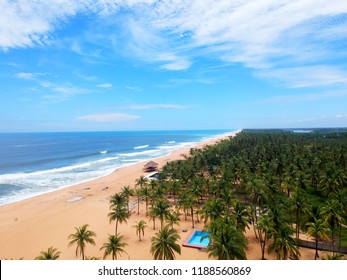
{"points": [[34, 163]]}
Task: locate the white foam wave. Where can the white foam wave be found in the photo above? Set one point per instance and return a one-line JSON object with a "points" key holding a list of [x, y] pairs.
{"points": [[61, 170], [148, 152], [103, 152], [133, 160], [178, 146], [37, 183], [141, 147]]}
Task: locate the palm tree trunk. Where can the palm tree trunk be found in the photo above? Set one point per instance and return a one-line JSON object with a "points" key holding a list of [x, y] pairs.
{"points": [[82, 253], [316, 255], [263, 250], [340, 232], [332, 241], [297, 224], [138, 206], [192, 213], [262, 245]]}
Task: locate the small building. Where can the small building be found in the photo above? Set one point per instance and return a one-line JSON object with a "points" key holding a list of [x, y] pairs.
{"points": [[150, 166], [152, 176]]}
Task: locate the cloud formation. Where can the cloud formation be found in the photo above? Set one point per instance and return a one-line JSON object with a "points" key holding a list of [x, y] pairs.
{"points": [[30, 23], [104, 85], [28, 75], [274, 37]]}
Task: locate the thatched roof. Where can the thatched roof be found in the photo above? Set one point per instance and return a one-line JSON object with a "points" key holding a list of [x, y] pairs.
{"points": [[151, 164]]}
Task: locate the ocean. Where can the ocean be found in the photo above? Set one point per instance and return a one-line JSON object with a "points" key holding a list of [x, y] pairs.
{"points": [[37, 163]]}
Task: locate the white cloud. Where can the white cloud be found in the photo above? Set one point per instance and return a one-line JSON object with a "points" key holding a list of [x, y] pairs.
{"points": [[156, 106], [28, 76], [86, 77], [62, 92], [259, 34], [263, 35], [134, 88], [307, 76], [108, 117], [148, 44], [177, 65], [104, 85], [30, 23]]}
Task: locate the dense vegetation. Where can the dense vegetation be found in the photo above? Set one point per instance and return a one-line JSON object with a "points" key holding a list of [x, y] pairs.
{"points": [[282, 182], [279, 183]]}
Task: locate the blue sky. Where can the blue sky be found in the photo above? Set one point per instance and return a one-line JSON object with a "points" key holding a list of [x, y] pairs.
{"points": [[146, 65]]}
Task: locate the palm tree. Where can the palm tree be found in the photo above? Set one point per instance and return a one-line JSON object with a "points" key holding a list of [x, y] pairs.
{"points": [[284, 244], [332, 180], [138, 194], [140, 228], [127, 192], [152, 216], [173, 219], [332, 213], [164, 244], [146, 195], [141, 181], [212, 209], [117, 200], [318, 229], [81, 237], [114, 246], [257, 190], [226, 241], [298, 203], [242, 215], [161, 210], [189, 201], [50, 254], [265, 227], [175, 188], [118, 214]]}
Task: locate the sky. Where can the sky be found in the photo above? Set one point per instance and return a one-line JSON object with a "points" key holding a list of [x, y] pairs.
{"points": [[98, 65]]}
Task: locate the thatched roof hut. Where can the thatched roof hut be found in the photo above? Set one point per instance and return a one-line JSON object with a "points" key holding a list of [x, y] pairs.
{"points": [[150, 166]]}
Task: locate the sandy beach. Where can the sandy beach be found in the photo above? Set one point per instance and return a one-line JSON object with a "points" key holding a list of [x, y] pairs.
{"points": [[32, 225]]}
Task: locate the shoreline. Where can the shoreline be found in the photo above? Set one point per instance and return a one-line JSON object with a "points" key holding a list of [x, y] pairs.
{"points": [[34, 224], [125, 165], [30, 226]]}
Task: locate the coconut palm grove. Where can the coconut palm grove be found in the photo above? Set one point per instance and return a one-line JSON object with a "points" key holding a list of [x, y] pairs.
{"points": [[279, 183]]}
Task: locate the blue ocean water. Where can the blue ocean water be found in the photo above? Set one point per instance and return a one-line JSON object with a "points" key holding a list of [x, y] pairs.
{"points": [[36, 163]]}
